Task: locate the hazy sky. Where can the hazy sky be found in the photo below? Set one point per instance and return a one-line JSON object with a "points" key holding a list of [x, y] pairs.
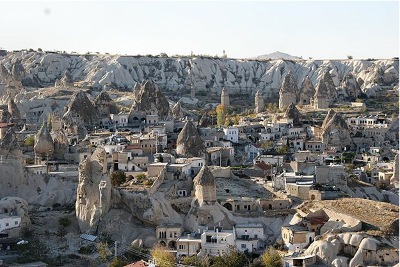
{"points": [[317, 29]]}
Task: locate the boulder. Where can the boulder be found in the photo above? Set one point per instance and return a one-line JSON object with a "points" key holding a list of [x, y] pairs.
{"points": [[189, 143]]}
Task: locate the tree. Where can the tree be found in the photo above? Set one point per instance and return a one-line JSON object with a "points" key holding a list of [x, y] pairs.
{"points": [[40, 49], [30, 140], [118, 178], [196, 261], [63, 224], [267, 144], [117, 262], [104, 251], [163, 257], [271, 258], [234, 258], [221, 115], [349, 57]]}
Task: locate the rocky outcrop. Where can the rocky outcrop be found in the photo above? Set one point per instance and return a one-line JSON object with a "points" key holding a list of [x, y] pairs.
{"points": [[259, 102], [5, 116], [294, 114], [321, 98], [67, 80], [150, 100], [61, 144], [289, 93], [13, 109], [307, 92], [335, 132], [105, 105], [44, 146], [9, 146], [17, 70], [328, 117], [94, 191], [330, 86], [189, 143], [225, 97], [177, 112], [16, 206], [395, 178], [351, 86], [206, 74], [81, 112]]}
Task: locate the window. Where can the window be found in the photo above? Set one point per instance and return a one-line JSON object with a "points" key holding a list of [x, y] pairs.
{"points": [[16, 223], [243, 246], [181, 246], [7, 224], [255, 236]]}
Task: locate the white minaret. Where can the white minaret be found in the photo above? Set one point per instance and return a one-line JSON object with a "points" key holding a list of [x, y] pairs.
{"points": [[258, 102], [224, 97]]}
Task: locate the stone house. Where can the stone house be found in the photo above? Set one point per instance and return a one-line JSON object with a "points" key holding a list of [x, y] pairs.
{"points": [[188, 245], [217, 241], [296, 237], [167, 235], [249, 237]]}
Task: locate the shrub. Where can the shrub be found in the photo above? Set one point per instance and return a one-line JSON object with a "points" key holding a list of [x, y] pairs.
{"points": [[89, 249], [118, 178], [30, 140], [271, 258], [148, 182], [140, 177], [117, 262], [163, 257], [104, 251]]}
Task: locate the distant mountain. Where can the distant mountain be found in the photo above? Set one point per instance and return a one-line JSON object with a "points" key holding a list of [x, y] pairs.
{"points": [[277, 55]]}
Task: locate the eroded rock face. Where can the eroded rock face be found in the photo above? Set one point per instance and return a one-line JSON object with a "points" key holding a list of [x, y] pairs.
{"points": [[259, 102], [16, 206], [189, 143], [13, 109], [307, 91], [67, 80], [5, 116], [105, 105], [293, 113], [289, 93], [61, 144], [351, 86], [9, 145], [395, 178], [80, 111], [17, 70], [177, 112], [151, 100], [330, 86], [43, 143], [336, 132], [94, 191], [321, 97]]}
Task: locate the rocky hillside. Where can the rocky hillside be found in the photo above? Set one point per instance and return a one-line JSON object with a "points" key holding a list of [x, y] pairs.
{"points": [[39, 69]]}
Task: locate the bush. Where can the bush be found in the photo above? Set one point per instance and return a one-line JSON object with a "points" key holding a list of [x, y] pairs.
{"points": [[64, 223], [148, 182], [271, 258], [118, 178], [89, 249], [140, 177], [30, 141], [117, 262], [104, 251]]}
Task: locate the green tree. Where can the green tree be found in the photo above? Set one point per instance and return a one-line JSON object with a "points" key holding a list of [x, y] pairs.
{"points": [[271, 258], [30, 140], [267, 144], [283, 150], [118, 178], [221, 115], [196, 261], [234, 258], [163, 257], [104, 251]]}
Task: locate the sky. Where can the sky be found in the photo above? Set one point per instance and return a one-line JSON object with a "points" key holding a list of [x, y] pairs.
{"points": [[244, 29]]}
